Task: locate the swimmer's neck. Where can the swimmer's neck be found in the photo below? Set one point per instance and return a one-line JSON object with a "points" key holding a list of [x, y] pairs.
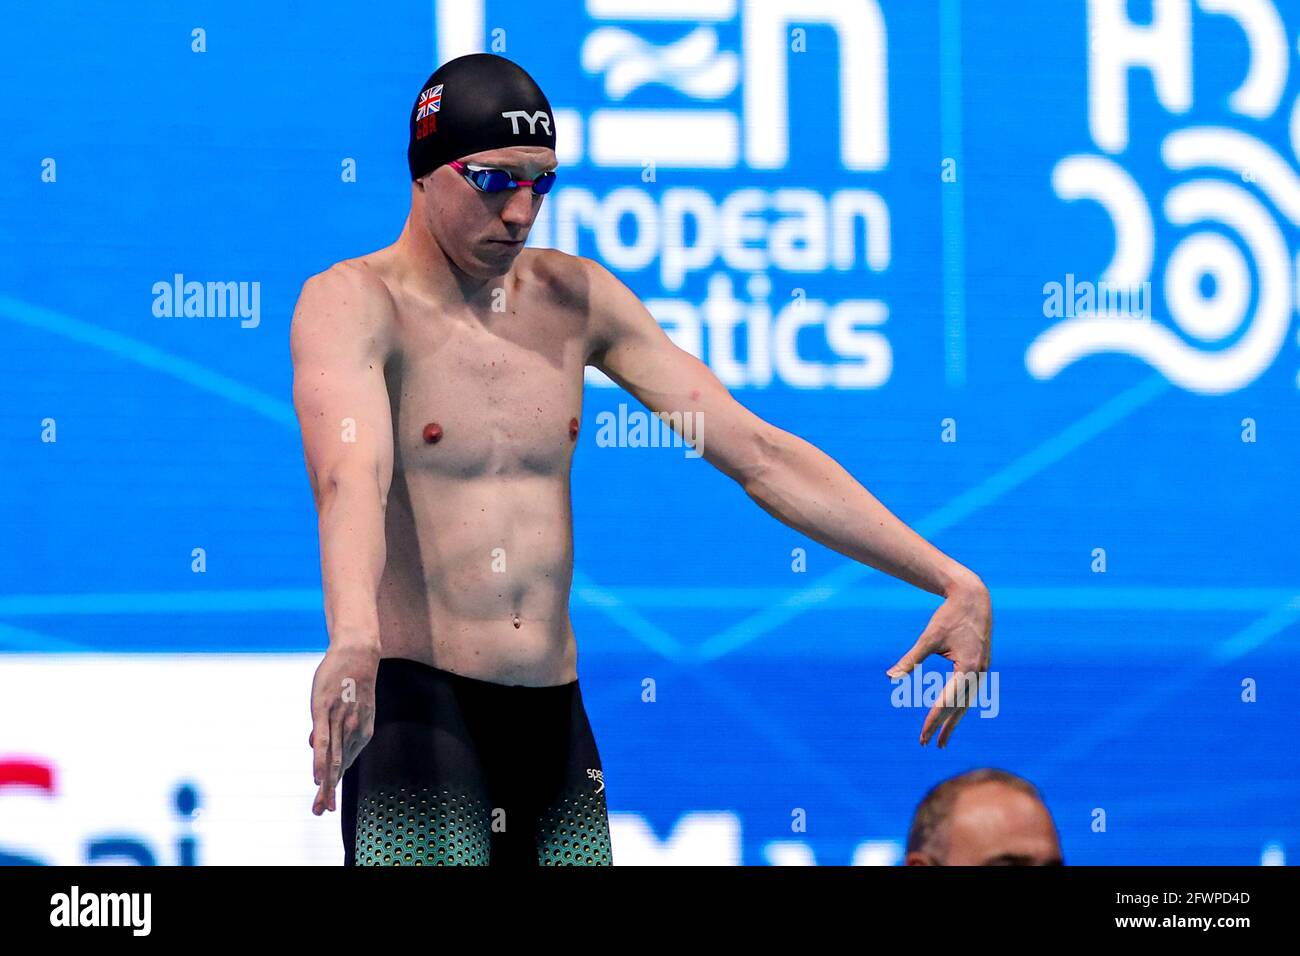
{"points": [[424, 266]]}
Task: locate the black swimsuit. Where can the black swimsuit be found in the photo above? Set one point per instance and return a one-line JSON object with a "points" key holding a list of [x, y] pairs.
{"points": [[462, 771]]}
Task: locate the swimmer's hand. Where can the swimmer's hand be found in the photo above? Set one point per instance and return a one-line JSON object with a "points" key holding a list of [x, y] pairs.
{"points": [[960, 630], [342, 715]]}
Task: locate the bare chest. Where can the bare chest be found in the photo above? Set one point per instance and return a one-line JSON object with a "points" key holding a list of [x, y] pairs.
{"points": [[470, 401]]}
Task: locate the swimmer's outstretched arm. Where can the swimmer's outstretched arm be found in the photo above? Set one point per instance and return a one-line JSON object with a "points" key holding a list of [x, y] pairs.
{"points": [[337, 341], [795, 482]]}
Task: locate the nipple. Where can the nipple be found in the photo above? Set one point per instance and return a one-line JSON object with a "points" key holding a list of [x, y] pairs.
{"points": [[432, 432], [573, 429]]}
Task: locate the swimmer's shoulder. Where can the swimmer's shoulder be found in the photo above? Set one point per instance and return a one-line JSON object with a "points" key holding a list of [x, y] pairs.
{"points": [[569, 281], [598, 303], [352, 299]]}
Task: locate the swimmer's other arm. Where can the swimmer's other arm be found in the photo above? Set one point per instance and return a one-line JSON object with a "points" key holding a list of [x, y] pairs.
{"points": [[792, 480], [337, 341]]}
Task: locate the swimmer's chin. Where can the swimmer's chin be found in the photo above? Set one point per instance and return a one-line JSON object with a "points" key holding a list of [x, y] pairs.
{"points": [[485, 258], [496, 258]]}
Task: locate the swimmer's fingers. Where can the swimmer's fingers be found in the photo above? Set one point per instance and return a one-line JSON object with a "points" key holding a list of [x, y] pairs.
{"points": [[933, 721], [335, 769], [958, 694], [358, 728], [320, 743], [951, 725], [918, 652], [351, 731]]}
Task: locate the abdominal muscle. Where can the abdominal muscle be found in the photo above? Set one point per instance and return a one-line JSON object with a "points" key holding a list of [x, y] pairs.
{"points": [[478, 575]]}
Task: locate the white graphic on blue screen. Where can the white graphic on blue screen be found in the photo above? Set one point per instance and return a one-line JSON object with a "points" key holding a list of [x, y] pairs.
{"points": [[1233, 191], [731, 270]]}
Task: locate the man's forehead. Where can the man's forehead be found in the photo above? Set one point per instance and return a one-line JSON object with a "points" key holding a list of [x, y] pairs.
{"points": [[514, 157], [996, 801], [995, 814]]}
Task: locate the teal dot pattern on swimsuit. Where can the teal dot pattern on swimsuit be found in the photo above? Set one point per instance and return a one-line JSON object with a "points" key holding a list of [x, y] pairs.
{"points": [[421, 827], [575, 832]]}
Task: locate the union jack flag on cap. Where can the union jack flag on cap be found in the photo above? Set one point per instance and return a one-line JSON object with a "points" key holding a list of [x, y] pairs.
{"points": [[430, 101]]}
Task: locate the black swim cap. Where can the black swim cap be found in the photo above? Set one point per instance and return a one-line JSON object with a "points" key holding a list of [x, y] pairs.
{"points": [[472, 103]]}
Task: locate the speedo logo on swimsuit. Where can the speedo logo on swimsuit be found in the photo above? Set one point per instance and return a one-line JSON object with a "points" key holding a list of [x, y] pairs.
{"points": [[532, 119], [598, 776]]}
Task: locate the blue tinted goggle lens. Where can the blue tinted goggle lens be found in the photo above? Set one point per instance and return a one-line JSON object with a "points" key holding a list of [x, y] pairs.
{"points": [[495, 180]]}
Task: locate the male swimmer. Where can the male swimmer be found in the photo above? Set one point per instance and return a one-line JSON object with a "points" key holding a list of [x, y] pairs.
{"points": [[438, 384]]}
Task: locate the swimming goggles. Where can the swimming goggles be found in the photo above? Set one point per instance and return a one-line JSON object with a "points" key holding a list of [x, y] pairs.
{"points": [[489, 179]]}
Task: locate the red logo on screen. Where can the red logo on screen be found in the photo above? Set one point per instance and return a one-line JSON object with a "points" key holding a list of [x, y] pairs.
{"points": [[27, 773]]}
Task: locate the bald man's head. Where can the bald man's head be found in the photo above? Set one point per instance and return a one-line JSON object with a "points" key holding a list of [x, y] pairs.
{"points": [[983, 818]]}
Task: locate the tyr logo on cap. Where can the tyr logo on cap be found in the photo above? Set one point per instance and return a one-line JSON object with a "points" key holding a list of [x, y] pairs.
{"points": [[429, 103], [531, 118]]}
